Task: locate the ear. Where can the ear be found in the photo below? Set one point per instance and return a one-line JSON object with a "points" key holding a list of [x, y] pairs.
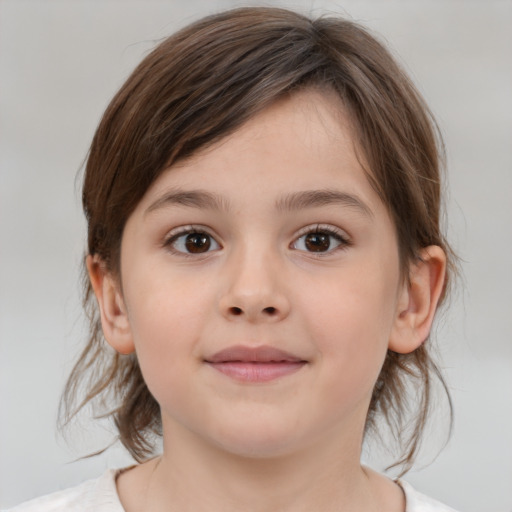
{"points": [[114, 318], [418, 301]]}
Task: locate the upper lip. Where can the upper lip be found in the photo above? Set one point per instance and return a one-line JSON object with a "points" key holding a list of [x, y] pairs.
{"points": [[245, 354]]}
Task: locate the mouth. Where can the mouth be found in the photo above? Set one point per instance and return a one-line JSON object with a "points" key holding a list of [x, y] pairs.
{"points": [[255, 364]]}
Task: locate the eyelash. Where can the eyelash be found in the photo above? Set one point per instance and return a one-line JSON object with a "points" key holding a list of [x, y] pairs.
{"points": [[175, 235], [340, 237]]}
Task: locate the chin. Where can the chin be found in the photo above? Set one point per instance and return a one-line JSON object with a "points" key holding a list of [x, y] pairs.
{"points": [[257, 440], [257, 450]]}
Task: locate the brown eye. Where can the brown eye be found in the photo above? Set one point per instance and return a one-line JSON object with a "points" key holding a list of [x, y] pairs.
{"points": [[317, 242], [320, 241], [193, 242], [197, 242]]}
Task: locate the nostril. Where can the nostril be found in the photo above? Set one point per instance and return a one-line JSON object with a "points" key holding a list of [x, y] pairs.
{"points": [[270, 310], [236, 311]]}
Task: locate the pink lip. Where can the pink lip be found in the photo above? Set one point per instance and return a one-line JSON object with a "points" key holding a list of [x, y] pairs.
{"points": [[255, 364]]}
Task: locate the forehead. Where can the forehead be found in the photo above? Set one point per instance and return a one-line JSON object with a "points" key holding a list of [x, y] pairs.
{"points": [[304, 141], [310, 116]]}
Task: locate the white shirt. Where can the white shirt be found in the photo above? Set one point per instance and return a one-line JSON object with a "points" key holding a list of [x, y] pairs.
{"points": [[100, 495]]}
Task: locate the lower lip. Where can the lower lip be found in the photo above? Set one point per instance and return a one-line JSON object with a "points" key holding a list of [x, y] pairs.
{"points": [[257, 372]]}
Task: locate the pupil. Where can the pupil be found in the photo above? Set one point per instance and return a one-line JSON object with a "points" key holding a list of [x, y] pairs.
{"points": [[197, 242], [317, 242]]}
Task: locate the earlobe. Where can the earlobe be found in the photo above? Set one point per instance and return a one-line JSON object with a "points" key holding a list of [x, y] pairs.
{"points": [[418, 301], [114, 318]]}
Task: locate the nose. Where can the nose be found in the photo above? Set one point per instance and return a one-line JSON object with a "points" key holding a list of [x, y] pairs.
{"points": [[254, 291]]}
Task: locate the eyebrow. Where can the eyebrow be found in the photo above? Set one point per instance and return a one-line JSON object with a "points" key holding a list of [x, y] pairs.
{"points": [[317, 198], [193, 198], [291, 202]]}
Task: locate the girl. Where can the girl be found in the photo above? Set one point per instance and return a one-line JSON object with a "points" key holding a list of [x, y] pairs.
{"points": [[264, 263]]}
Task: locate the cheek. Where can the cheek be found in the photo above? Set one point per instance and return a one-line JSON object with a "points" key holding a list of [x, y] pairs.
{"points": [[351, 323], [162, 303], [166, 318]]}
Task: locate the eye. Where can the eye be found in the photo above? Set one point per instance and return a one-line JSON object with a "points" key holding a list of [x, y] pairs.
{"points": [[320, 240], [192, 242]]}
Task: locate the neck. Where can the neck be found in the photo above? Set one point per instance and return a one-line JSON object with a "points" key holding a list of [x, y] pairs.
{"points": [[323, 477]]}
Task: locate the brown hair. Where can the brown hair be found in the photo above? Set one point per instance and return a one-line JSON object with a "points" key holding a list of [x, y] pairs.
{"points": [[200, 85]]}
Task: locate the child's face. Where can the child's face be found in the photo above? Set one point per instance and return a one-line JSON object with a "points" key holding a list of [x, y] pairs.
{"points": [[271, 238]]}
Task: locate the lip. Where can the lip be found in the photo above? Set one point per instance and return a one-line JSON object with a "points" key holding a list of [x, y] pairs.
{"points": [[255, 364]]}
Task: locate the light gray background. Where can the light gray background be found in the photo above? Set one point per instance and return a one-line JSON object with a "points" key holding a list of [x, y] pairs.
{"points": [[61, 62]]}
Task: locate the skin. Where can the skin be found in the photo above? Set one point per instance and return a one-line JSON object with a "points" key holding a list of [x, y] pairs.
{"points": [[292, 443]]}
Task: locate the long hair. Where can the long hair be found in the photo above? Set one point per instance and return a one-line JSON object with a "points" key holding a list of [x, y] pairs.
{"points": [[200, 85]]}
